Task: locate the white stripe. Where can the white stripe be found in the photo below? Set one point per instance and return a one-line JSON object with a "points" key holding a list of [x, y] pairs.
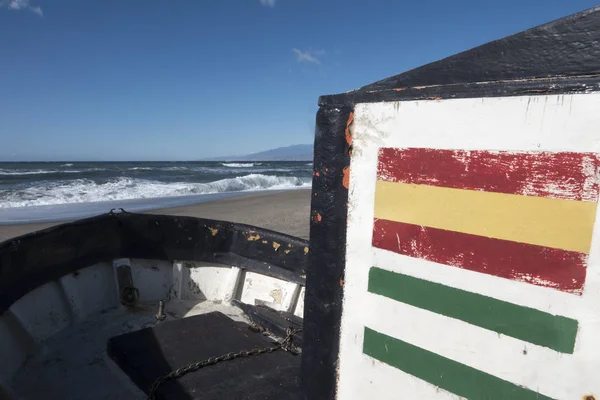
{"points": [[479, 348], [521, 293], [379, 381]]}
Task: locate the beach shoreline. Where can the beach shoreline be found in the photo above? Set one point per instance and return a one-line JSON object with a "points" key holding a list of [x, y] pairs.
{"points": [[286, 211]]}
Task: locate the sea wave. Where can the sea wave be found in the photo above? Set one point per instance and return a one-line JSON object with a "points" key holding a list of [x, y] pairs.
{"points": [[124, 188], [239, 165], [47, 171], [67, 165]]}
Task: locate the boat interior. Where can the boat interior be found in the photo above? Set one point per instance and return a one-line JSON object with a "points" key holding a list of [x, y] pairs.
{"points": [[103, 307]]}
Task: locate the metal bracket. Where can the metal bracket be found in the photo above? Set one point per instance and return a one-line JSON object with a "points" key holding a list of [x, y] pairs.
{"points": [[128, 293]]}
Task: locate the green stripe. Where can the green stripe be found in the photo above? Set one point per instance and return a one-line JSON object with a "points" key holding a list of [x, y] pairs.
{"points": [[442, 372], [528, 324]]}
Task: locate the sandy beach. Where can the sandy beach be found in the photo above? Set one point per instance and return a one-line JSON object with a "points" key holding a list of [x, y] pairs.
{"points": [[282, 211]]}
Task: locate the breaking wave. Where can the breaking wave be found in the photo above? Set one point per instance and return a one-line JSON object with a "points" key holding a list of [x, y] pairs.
{"points": [[85, 190], [239, 165]]}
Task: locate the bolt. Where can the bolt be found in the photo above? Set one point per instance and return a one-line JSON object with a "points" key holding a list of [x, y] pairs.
{"points": [[160, 315]]}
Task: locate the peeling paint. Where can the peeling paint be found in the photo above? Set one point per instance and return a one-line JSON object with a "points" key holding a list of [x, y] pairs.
{"points": [[253, 237], [287, 251], [277, 295], [265, 241], [346, 178], [306, 250], [276, 246], [213, 231], [347, 131]]}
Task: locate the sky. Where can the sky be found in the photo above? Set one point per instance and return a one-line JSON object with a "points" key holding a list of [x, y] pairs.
{"points": [[188, 79]]}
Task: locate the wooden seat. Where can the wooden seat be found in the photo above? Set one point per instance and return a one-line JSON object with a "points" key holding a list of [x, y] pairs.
{"points": [[149, 353]]}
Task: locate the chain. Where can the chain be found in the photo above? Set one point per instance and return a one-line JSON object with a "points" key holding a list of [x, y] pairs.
{"points": [[286, 345]]}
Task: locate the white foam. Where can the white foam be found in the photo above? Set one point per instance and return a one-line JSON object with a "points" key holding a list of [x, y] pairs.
{"points": [[67, 165], [85, 190], [238, 165]]}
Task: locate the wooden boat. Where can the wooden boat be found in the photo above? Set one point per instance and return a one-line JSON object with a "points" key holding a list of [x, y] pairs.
{"points": [[92, 309], [453, 254]]}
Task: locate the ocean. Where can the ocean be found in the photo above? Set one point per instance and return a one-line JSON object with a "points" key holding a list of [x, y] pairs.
{"points": [[51, 191]]}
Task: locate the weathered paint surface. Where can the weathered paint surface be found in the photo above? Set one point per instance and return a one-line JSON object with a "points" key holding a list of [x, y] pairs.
{"points": [[538, 265], [442, 372], [528, 324], [561, 224], [560, 175], [441, 332]]}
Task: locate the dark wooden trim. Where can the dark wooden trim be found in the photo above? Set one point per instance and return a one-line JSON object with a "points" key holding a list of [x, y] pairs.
{"points": [[564, 52], [527, 87], [29, 261], [325, 275]]}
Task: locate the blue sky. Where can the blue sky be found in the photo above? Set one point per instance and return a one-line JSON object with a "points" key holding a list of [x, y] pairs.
{"points": [[187, 79]]}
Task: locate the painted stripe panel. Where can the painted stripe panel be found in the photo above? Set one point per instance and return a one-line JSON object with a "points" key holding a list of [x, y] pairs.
{"points": [[537, 265], [528, 324], [561, 224], [447, 374], [566, 175]]}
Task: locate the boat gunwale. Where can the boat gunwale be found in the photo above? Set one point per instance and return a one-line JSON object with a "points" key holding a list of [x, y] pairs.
{"points": [[34, 259]]}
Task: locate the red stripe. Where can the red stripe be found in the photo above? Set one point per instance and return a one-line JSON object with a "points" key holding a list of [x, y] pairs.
{"points": [[569, 176], [538, 265]]}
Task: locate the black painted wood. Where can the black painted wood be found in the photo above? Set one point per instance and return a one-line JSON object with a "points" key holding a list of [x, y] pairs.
{"points": [[325, 275], [146, 354], [31, 260], [568, 47]]}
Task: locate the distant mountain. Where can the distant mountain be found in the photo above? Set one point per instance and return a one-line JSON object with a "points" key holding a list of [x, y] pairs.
{"points": [[297, 152]]}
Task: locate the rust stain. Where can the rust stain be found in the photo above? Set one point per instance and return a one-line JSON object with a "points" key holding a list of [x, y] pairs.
{"points": [[341, 282], [290, 245], [346, 179], [213, 231], [316, 217], [589, 397], [400, 89], [317, 173], [253, 237], [287, 251], [347, 131], [276, 246], [306, 250]]}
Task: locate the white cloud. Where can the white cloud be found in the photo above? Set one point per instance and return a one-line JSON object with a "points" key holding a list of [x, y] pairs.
{"points": [[21, 5], [268, 3], [308, 56]]}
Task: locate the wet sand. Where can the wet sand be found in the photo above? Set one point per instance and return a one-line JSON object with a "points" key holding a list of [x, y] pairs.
{"points": [[284, 211]]}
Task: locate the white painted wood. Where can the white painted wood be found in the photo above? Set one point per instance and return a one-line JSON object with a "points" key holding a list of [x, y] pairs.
{"points": [[15, 345], [551, 123], [178, 277], [43, 311], [206, 281], [272, 292], [232, 284], [153, 278], [299, 311], [91, 290]]}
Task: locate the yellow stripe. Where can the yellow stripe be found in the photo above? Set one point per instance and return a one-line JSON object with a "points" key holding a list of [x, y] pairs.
{"points": [[561, 224]]}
